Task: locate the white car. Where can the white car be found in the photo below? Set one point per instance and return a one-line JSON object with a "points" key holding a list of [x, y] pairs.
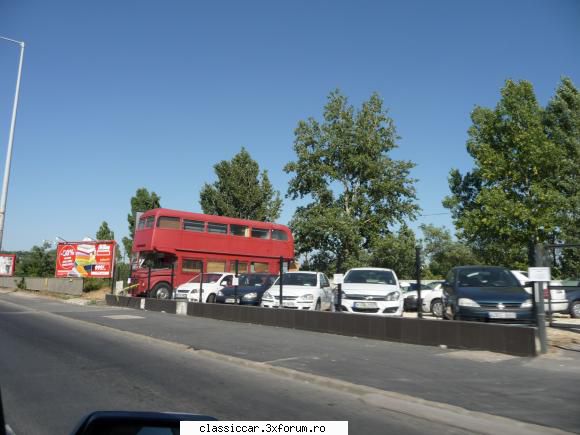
{"points": [[432, 302], [212, 283], [558, 296], [300, 290], [371, 290]]}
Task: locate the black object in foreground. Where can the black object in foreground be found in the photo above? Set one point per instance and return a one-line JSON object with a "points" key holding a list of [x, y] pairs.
{"points": [[127, 422]]}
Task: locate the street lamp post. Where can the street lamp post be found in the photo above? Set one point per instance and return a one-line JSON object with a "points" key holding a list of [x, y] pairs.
{"points": [[10, 141]]}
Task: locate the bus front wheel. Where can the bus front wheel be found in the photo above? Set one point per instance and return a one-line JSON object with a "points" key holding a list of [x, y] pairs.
{"points": [[161, 291]]}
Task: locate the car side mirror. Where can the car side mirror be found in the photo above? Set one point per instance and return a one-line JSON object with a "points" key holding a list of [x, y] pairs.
{"points": [[100, 422]]}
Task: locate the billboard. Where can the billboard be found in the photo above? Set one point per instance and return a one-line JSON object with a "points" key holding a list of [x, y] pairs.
{"points": [[85, 259], [7, 264]]}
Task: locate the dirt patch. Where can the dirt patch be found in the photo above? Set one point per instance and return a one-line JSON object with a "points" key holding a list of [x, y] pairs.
{"points": [[563, 339]]}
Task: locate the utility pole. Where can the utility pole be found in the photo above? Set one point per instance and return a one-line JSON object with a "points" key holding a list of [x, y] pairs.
{"points": [[539, 301], [10, 141]]}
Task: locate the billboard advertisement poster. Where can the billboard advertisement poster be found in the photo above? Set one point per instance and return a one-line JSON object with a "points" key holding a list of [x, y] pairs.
{"points": [[7, 264], [85, 259]]}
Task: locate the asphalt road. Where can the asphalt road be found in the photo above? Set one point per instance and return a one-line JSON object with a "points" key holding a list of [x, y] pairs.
{"points": [[55, 368]]}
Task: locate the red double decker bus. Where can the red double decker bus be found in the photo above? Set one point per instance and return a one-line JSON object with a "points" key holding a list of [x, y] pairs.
{"points": [[170, 247]]}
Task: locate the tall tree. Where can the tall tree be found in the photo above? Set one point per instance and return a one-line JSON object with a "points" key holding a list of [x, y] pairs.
{"points": [[357, 190], [105, 233], [512, 198], [241, 191], [562, 125], [142, 201], [442, 253]]}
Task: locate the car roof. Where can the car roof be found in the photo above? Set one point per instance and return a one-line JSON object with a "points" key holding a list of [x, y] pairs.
{"points": [[301, 271], [480, 267], [370, 268]]}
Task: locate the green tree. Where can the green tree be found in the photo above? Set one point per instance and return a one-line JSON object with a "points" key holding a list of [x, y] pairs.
{"points": [[39, 261], [511, 200], [105, 233], [142, 201], [357, 190], [396, 251], [562, 126], [441, 252], [241, 191]]}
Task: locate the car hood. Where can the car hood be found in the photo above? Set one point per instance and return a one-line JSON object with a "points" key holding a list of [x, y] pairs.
{"points": [[493, 294], [195, 285], [242, 290], [368, 289], [293, 290]]}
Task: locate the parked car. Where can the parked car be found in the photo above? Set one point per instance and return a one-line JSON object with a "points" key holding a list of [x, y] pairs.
{"points": [[212, 283], [559, 302], [300, 290], [485, 293], [432, 302], [572, 290], [250, 289], [412, 294], [371, 290]]}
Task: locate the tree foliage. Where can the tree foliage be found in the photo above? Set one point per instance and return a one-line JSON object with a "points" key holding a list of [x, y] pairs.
{"points": [[357, 190], [441, 252], [519, 191], [40, 261], [241, 191], [141, 202], [105, 233], [396, 251]]}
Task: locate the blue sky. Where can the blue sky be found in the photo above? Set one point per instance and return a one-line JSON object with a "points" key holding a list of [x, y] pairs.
{"points": [[121, 95]]}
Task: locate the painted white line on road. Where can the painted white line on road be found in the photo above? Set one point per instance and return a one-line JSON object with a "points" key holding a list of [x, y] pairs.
{"points": [[123, 317]]}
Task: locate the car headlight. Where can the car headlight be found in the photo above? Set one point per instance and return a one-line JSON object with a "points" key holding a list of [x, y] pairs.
{"points": [[193, 290], [465, 302], [220, 293], [267, 295], [306, 298], [393, 296], [252, 295], [527, 304]]}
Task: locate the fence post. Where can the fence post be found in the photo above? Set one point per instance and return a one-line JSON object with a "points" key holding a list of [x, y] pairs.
{"points": [[172, 276], [201, 284], [281, 281], [539, 298], [148, 280], [418, 277], [236, 286]]}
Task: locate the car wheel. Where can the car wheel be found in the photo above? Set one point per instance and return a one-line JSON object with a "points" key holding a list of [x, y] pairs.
{"points": [[210, 299], [575, 310], [161, 291], [437, 308], [317, 306]]}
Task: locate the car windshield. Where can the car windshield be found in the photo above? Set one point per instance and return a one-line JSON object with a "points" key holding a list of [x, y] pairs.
{"points": [[370, 277], [495, 277], [256, 279], [304, 279], [208, 278]]}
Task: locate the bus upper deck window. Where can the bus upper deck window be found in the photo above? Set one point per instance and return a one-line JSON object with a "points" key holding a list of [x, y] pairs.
{"points": [[279, 235], [168, 222], [260, 233]]}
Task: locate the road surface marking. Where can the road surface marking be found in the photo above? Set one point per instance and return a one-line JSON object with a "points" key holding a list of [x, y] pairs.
{"points": [[123, 317]]}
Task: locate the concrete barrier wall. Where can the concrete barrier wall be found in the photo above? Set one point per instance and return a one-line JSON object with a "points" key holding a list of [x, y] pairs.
{"points": [[69, 286], [513, 340]]}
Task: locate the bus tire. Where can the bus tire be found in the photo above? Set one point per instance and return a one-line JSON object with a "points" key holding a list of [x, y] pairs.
{"points": [[211, 299], [162, 291]]}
